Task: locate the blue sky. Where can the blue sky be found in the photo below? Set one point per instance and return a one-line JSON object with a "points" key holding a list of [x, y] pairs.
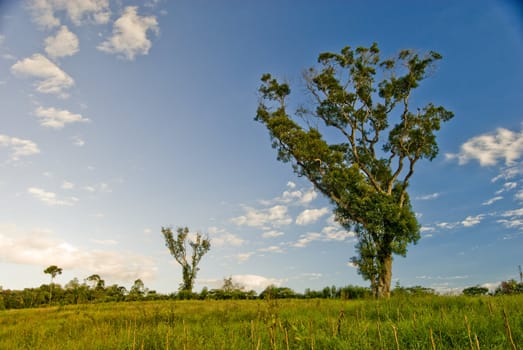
{"points": [[120, 117]]}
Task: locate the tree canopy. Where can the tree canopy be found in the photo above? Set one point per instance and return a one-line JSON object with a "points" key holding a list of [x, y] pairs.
{"points": [[359, 143]]}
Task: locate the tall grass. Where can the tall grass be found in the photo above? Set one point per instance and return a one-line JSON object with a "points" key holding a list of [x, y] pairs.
{"points": [[430, 322]]}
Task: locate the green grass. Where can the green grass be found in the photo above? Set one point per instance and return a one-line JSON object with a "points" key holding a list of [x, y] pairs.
{"points": [[431, 322]]}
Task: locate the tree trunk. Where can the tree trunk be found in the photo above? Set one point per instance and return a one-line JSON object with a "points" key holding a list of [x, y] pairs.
{"points": [[385, 276]]}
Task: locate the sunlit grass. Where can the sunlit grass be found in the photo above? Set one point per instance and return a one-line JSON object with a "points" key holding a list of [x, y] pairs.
{"points": [[430, 322]]}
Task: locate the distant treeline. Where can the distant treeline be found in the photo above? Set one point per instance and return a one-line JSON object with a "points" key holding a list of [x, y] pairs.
{"points": [[75, 292]]}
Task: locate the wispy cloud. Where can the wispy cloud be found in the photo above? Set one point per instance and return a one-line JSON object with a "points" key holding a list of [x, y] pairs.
{"points": [[428, 197], [221, 237], [18, 147], [101, 188], [50, 78], [129, 36], [510, 172], [472, 220], [243, 257], [105, 241], [514, 212], [78, 141], [66, 185], [492, 200], [50, 198], [307, 239], [272, 234], [488, 149], [271, 249], [58, 118], [64, 43]]}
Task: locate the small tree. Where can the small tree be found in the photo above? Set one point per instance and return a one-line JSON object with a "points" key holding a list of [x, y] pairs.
{"points": [[138, 290], [178, 249], [476, 290], [52, 270]]}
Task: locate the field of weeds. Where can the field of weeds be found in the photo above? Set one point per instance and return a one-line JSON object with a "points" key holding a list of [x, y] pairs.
{"points": [[429, 322]]}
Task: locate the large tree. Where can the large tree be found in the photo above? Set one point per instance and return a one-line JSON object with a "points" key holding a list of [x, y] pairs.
{"points": [[358, 143], [178, 249]]}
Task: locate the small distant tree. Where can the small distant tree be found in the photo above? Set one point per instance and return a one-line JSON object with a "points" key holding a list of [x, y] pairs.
{"points": [[178, 249], [138, 290], [476, 290], [509, 287], [97, 282], [52, 270]]}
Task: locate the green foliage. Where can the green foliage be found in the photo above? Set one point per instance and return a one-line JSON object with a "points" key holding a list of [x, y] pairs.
{"points": [[413, 322], [178, 249], [474, 291], [509, 287], [412, 291], [273, 292], [367, 173]]}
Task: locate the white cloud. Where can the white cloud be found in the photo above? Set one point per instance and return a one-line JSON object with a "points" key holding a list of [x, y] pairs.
{"points": [[298, 197], [519, 195], [66, 185], [78, 141], [312, 275], [101, 187], [306, 239], [308, 196], [336, 233], [276, 215], [510, 172], [43, 13], [507, 187], [488, 149], [19, 147], [515, 212], [255, 282], [428, 197], [78, 11], [227, 239], [220, 237], [50, 198], [472, 220], [242, 257], [130, 34], [104, 241], [272, 234], [41, 248], [492, 200], [447, 225], [50, 78], [309, 216], [57, 118], [64, 43]]}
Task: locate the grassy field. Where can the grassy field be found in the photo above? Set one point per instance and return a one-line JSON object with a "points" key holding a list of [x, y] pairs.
{"points": [[430, 322]]}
